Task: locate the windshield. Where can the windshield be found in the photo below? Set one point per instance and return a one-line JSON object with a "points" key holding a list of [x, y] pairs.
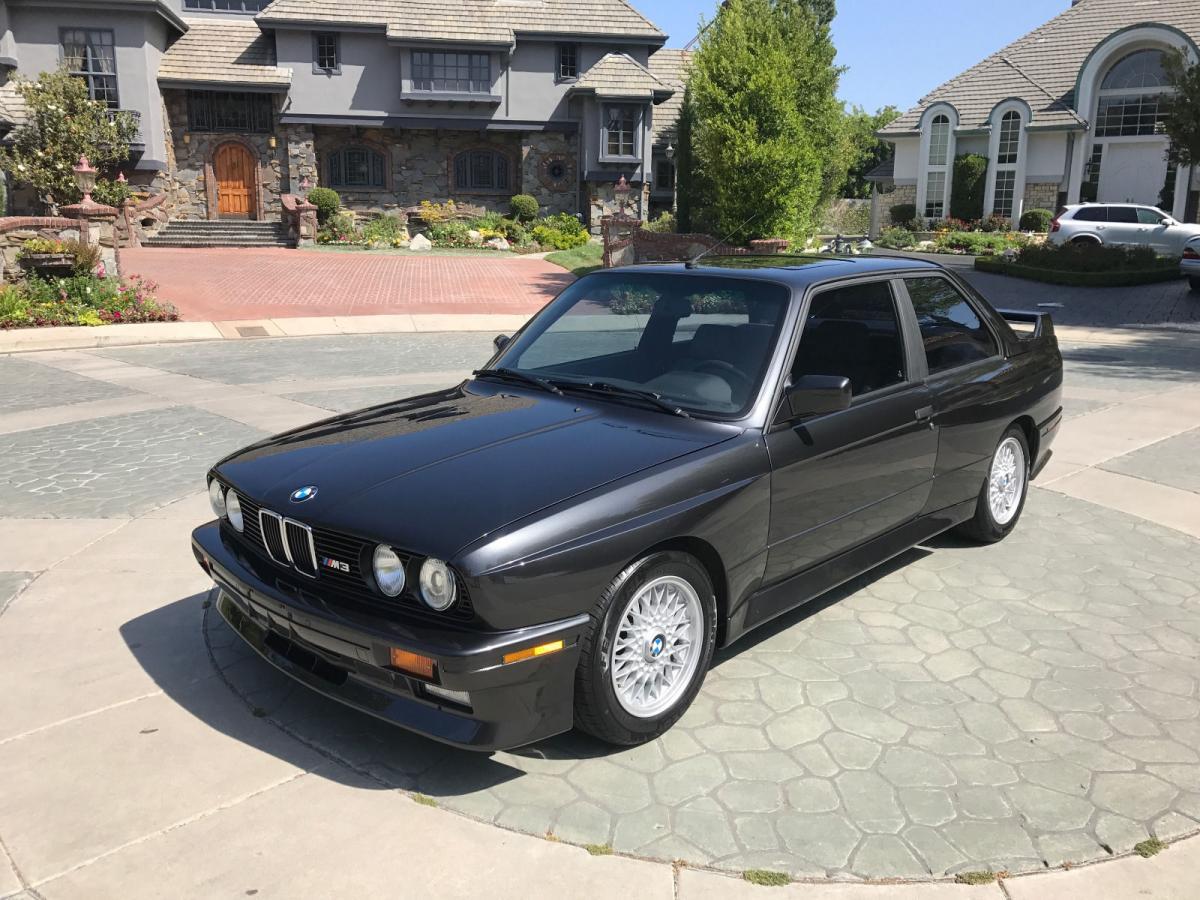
{"points": [[699, 342]]}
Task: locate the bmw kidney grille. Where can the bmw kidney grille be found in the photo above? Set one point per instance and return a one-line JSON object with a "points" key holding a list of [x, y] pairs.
{"points": [[290, 543]]}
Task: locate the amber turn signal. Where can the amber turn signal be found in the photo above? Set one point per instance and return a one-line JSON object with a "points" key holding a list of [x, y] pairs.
{"points": [[412, 663], [540, 650]]}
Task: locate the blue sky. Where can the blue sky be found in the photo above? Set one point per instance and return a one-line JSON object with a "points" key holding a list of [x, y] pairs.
{"points": [[895, 50]]}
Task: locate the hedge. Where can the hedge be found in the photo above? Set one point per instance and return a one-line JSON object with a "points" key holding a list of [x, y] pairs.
{"points": [[997, 266]]}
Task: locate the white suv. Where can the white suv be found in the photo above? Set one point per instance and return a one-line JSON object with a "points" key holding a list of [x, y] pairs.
{"points": [[1122, 224], [1190, 264]]}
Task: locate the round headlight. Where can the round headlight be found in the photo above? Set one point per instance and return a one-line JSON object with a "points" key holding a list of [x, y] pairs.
{"points": [[216, 496], [233, 506], [438, 588], [389, 571]]}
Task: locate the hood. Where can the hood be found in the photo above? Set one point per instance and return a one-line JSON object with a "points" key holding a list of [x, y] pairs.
{"points": [[434, 473]]}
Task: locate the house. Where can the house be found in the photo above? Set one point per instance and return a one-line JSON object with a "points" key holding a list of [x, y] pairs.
{"points": [[386, 101], [1072, 112]]}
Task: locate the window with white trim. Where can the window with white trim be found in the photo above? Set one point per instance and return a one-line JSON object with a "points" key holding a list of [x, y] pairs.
{"points": [[938, 167], [325, 51], [620, 130], [90, 55], [1008, 152], [458, 73], [1132, 95]]}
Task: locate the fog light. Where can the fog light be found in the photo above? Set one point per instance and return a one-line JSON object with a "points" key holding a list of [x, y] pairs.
{"points": [[412, 663], [216, 497], [233, 507], [462, 698], [539, 650]]}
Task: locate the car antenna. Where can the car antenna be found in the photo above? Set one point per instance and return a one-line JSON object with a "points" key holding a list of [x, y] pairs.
{"points": [[691, 263]]}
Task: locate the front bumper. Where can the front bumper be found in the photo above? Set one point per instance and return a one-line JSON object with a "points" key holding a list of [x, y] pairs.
{"points": [[346, 655]]}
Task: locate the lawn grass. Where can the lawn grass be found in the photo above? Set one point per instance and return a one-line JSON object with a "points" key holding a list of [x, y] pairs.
{"points": [[581, 260]]}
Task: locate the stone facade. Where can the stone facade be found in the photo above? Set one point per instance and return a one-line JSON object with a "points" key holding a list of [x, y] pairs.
{"points": [[190, 185], [605, 202], [550, 171], [16, 230], [1041, 195], [903, 193]]}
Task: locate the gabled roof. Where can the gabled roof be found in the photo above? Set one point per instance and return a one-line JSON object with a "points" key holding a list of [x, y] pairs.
{"points": [[620, 75], [12, 105], [671, 68], [470, 21], [1042, 67], [163, 8], [223, 52]]}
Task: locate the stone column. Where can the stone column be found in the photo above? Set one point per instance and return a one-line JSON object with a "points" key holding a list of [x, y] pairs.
{"points": [[301, 158], [97, 228]]}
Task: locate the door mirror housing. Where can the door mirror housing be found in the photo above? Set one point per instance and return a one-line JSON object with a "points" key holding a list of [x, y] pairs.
{"points": [[500, 341], [817, 395], [1166, 220]]}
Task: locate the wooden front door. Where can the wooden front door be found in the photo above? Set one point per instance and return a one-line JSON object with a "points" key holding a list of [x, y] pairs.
{"points": [[234, 169]]}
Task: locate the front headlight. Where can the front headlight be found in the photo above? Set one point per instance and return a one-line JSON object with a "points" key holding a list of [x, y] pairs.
{"points": [[216, 496], [233, 506], [389, 571], [438, 588]]}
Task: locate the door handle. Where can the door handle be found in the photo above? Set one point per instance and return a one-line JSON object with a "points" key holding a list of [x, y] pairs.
{"points": [[924, 414]]}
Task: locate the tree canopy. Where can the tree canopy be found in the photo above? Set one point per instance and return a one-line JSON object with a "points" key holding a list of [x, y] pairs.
{"points": [[762, 141], [866, 151], [63, 124], [1183, 119]]}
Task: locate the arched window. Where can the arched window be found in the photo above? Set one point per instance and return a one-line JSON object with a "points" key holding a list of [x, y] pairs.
{"points": [[482, 171], [938, 167], [1008, 152], [1131, 96], [356, 167]]}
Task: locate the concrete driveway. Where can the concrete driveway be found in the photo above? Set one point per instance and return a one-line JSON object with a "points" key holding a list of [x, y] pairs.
{"points": [[1016, 707], [235, 284]]}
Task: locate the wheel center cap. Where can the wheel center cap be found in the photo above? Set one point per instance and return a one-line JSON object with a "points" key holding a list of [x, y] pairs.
{"points": [[655, 647]]}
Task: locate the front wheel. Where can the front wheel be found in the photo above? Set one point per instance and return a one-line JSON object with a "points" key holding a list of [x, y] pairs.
{"points": [[649, 646], [1002, 497]]}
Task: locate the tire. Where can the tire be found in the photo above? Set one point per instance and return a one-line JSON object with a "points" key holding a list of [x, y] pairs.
{"points": [[1087, 240], [994, 523], [1194, 281], [610, 650]]}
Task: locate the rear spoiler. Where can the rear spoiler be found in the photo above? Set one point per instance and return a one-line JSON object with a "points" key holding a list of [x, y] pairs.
{"points": [[1043, 324]]}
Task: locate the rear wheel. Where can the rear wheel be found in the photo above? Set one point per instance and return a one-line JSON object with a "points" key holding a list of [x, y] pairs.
{"points": [[648, 648], [1002, 497]]}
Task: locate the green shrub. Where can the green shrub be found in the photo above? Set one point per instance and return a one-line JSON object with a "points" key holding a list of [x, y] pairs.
{"points": [[896, 239], [903, 213], [432, 213], [560, 232], [524, 207], [385, 230], [968, 186], [664, 224], [327, 201], [489, 221], [978, 243], [340, 229], [111, 193], [450, 234], [1092, 257], [846, 217], [994, 223], [1036, 220]]}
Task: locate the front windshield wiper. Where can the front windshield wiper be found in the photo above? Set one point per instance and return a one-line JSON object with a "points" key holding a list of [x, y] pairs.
{"points": [[616, 390], [513, 375]]}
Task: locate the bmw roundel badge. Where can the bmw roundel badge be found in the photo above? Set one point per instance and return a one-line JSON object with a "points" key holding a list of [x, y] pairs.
{"points": [[301, 495]]}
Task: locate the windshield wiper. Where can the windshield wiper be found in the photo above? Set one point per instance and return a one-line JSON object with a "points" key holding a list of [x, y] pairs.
{"points": [[616, 390], [513, 375]]}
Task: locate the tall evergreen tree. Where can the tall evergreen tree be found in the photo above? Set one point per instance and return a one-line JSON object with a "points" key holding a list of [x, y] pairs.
{"points": [[761, 137]]}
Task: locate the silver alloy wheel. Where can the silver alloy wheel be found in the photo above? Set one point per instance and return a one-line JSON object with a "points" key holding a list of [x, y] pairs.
{"points": [[1006, 482], [657, 647]]}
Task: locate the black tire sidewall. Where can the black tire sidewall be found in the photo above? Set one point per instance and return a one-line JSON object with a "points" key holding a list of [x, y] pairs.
{"points": [[985, 522], [615, 721]]}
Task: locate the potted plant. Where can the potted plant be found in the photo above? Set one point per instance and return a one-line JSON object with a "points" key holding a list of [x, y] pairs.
{"points": [[47, 255]]}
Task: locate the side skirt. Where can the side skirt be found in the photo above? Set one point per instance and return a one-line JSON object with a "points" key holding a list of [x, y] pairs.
{"points": [[785, 596]]}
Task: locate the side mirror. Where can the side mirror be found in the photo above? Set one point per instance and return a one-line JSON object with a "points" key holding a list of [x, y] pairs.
{"points": [[816, 395], [1167, 221], [500, 341]]}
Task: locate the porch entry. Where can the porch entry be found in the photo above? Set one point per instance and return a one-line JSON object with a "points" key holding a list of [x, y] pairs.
{"points": [[233, 167]]}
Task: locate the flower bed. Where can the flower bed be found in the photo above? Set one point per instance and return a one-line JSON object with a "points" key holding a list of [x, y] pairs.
{"points": [[81, 300], [1085, 265]]}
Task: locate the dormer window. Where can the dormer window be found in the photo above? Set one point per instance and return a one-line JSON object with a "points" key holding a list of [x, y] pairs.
{"points": [[452, 73], [568, 62]]}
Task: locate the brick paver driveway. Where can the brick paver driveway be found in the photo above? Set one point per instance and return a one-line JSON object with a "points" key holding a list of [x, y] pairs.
{"points": [[230, 285]]}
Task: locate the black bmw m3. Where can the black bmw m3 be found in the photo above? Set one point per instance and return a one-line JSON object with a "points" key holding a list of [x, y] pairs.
{"points": [[662, 459]]}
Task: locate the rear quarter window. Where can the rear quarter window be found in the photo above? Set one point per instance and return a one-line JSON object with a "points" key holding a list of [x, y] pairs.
{"points": [[1091, 214]]}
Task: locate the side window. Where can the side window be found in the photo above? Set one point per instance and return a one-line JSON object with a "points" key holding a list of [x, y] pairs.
{"points": [[951, 331], [853, 332], [1092, 214], [1149, 216], [1126, 215]]}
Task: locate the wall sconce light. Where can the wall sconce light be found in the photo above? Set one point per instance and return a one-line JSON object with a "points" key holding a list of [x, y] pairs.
{"points": [[187, 137], [271, 142]]}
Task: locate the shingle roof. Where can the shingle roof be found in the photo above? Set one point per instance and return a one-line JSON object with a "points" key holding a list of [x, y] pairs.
{"points": [[620, 75], [1042, 67], [216, 51], [470, 21], [12, 104], [671, 67]]}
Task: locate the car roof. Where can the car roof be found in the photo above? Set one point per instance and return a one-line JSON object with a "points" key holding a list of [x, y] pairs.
{"points": [[797, 271]]}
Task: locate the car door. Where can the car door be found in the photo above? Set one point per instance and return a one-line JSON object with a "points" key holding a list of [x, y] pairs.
{"points": [[842, 478], [1156, 233], [1124, 227], [967, 378]]}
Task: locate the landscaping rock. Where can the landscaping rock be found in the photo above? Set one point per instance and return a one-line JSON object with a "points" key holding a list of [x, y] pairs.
{"points": [[498, 243], [474, 237], [420, 243]]}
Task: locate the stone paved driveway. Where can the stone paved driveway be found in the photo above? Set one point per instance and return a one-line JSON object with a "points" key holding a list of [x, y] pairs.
{"points": [[237, 284], [1016, 706]]}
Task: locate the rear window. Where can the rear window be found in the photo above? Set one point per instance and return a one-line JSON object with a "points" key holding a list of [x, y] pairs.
{"points": [[1091, 214]]}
